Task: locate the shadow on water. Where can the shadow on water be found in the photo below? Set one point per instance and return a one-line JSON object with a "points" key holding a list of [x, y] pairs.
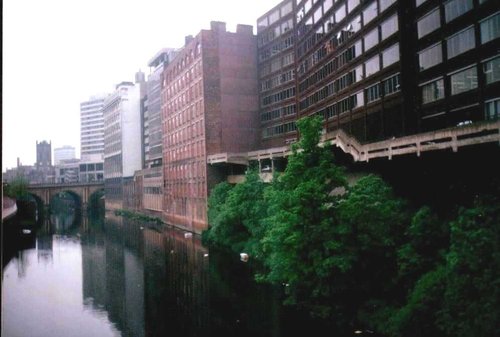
{"points": [[150, 280]]}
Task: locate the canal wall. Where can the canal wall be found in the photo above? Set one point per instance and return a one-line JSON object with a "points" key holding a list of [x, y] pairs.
{"points": [[9, 208]]}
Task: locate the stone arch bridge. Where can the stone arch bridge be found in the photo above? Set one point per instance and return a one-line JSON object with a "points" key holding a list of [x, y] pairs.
{"points": [[45, 192]]}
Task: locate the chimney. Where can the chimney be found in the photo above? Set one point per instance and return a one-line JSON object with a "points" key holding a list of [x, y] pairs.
{"points": [[217, 26], [188, 39], [244, 29]]}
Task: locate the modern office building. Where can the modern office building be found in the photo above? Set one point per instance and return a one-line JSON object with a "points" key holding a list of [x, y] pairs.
{"points": [[379, 69], [63, 153], [92, 129], [91, 171], [277, 87], [122, 140], [210, 106]]}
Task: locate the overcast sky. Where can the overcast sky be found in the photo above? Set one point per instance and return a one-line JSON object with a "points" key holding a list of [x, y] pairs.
{"points": [[57, 53]]}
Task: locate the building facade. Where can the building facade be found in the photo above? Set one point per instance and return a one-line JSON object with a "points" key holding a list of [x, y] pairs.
{"points": [[63, 153], [67, 171], [122, 141], [44, 171], [210, 106], [379, 69], [92, 129]]}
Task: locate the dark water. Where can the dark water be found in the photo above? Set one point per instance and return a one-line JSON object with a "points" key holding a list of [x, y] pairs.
{"points": [[90, 276]]}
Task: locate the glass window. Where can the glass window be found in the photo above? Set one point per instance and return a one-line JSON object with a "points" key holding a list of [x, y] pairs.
{"points": [[274, 16], [391, 85], [318, 14], [286, 9], [384, 4], [433, 91], [351, 4], [430, 57], [390, 55], [492, 109], [373, 93], [372, 66], [355, 25], [262, 24], [490, 28], [327, 5], [455, 8], [370, 12], [463, 81], [359, 99], [340, 13], [389, 26], [419, 2], [428, 23], [461, 42], [492, 70], [371, 39]]}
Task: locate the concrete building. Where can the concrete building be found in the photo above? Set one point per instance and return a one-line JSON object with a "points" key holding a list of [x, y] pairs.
{"points": [[210, 106], [379, 69], [122, 141], [63, 153], [91, 171], [67, 171], [149, 181], [92, 129]]}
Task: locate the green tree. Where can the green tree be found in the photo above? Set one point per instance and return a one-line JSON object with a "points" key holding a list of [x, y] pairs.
{"points": [[472, 297], [295, 246], [235, 214], [17, 189]]}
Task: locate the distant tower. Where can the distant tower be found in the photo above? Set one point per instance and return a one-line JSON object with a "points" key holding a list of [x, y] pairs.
{"points": [[43, 154], [92, 129], [63, 153]]}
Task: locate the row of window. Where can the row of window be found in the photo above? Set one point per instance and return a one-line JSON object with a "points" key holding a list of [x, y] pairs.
{"points": [[279, 129], [461, 81], [277, 31], [388, 57], [268, 20], [276, 48], [277, 80], [278, 97], [384, 88], [489, 27], [277, 113]]}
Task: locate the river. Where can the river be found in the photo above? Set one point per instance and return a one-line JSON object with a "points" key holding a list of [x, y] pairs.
{"points": [[94, 276]]}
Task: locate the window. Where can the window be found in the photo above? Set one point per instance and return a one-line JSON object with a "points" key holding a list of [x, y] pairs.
{"points": [[286, 9], [428, 23], [373, 93], [359, 99], [327, 5], [419, 2], [351, 4], [463, 81], [384, 4], [390, 55], [492, 109], [340, 13], [391, 85], [273, 17], [318, 14], [454, 8], [492, 70], [371, 39], [389, 26], [370, 12], [430, 57], [433, 91], [460, 42], [372, 66], [490, 28]]}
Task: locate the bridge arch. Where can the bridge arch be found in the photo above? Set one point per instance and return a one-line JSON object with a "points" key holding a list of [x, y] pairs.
{"points": [[83, 190]]}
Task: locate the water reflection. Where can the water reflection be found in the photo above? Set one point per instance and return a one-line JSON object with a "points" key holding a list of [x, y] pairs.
{"points": [[112, 277]]}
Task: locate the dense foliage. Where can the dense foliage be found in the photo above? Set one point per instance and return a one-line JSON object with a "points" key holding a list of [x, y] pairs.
{"points": [[359, 255], [17, 189]]}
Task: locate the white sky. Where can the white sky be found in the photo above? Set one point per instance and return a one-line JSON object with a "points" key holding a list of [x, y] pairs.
{"points": [[57, 53]]}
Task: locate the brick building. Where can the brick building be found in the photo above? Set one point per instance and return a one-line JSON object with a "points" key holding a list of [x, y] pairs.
{"points": [[210, 106]]}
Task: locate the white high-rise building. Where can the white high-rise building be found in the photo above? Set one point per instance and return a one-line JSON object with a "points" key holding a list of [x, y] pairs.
{"points": [[63, 153], [92, 130], [122, 140]]}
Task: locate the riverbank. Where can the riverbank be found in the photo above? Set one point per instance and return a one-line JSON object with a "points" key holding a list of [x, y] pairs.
{"points": [[9, 208]]}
